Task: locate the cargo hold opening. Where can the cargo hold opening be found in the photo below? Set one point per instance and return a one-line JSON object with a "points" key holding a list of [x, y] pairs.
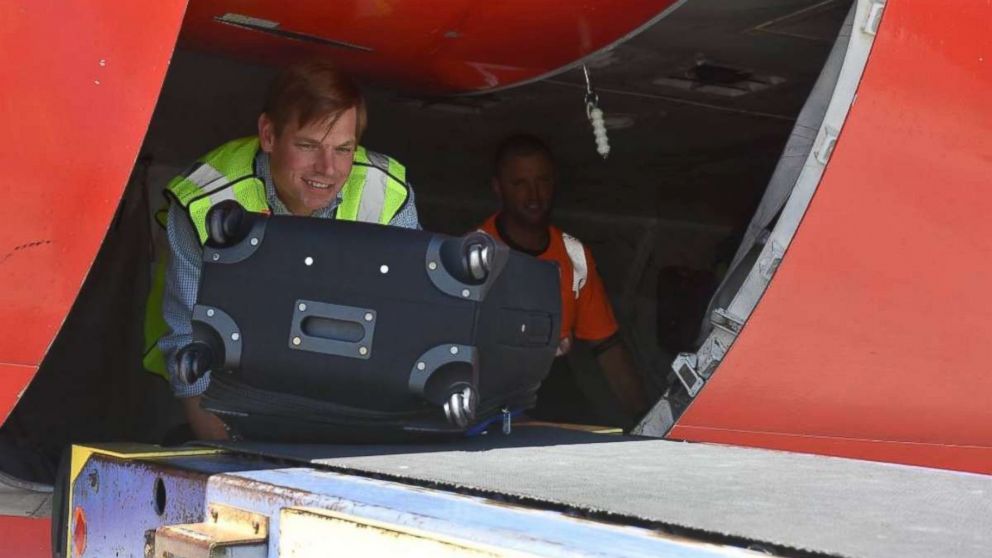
{"points": [[698, 110]]}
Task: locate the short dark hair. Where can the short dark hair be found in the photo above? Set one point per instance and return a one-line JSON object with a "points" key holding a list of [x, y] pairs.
{"points": [[520, 145], [312, 91]]}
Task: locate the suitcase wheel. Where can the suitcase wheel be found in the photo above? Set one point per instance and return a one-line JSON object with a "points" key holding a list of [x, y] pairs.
{"points": [[460, 407], [227, 224], [193, 362], [469, 258]]}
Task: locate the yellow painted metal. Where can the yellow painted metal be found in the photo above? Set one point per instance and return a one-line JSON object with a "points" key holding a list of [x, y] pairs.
{"points": [[569, 426], [308, 533], [81, 454]]}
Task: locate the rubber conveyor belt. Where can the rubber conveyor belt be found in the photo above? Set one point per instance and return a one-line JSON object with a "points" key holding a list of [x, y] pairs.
{"points": [[812, 503]]}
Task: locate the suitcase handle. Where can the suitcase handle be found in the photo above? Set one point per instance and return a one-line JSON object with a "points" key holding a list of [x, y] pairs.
{"points": [[332, 329]]}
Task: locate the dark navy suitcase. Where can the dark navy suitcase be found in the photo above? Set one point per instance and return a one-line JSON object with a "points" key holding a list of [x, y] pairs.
{"points": [[318, 330]]}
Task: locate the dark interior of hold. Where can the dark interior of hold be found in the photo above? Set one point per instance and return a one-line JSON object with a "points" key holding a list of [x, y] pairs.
{"points": [[692, 151]]}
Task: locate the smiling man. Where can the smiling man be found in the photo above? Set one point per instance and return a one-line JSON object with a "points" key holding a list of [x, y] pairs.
{"points": [[306, 160], [524, 181]]}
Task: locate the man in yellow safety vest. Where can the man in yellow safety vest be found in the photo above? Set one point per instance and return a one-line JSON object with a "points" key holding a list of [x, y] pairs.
{"points": [[306, 160]]}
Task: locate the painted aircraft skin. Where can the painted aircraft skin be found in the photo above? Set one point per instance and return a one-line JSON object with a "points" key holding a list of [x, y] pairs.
{"points": [[453, 47], [77, 101], [869, 342]]}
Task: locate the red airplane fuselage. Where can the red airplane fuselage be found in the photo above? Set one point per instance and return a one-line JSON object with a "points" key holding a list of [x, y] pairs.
{"points": [[868, 343]]}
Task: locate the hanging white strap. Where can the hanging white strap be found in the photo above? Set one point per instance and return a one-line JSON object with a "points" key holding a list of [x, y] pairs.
{"points": [[577, 255]]}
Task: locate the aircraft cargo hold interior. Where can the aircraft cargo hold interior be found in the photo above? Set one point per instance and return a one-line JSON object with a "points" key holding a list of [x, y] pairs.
{"points": [[698, 107]]}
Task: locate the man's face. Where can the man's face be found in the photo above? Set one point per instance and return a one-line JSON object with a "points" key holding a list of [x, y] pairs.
{"points": [[526, 184], [310, 164]]}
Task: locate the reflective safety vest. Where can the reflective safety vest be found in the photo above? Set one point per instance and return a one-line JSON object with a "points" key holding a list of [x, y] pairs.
{"points": [[376, 190], [573, 248]]}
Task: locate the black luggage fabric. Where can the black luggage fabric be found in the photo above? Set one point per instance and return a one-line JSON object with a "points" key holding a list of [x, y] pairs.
{"points": [[321, 330]]}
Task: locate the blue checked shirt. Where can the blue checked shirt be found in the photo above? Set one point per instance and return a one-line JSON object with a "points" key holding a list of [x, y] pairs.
{"points": [[182, 276]]}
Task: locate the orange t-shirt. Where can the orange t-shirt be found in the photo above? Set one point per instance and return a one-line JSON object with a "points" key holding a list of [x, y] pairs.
{"points": [[588, 317]]}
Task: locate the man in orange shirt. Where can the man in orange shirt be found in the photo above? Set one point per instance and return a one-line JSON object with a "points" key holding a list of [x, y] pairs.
{"points": [[524, 180]]}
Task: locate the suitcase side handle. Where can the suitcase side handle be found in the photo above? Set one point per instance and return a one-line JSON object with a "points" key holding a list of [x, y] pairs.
{"points": [[332, 329]]}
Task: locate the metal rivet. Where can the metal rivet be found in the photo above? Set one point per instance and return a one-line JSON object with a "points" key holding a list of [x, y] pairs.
{"points": [[363, 351], [297, 340], [235, 336], [303, 307], [308, 260], [253, 241], [432, 266], [453, 350], [215, 257], [383, 269], [210, 313], [368, 316], [466, 293], [421, 366]]}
